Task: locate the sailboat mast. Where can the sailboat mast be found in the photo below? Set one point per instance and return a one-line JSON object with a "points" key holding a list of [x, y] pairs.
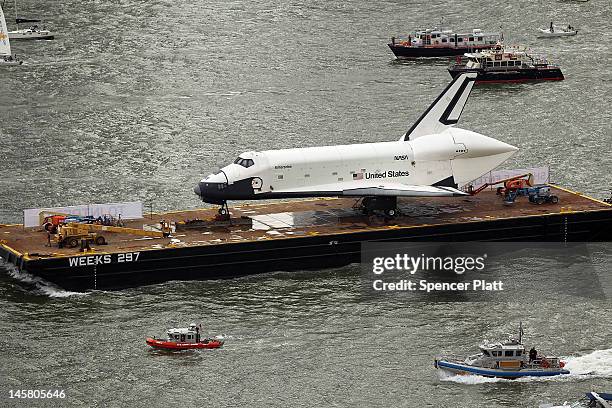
{"points": [[16, 15]]}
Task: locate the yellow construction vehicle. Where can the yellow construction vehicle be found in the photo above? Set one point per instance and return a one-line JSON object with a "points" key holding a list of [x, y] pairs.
{"points": [[70, 235]]}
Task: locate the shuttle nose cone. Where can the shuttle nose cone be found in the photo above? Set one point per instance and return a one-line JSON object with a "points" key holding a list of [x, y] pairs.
{"points": [[197, 190], [487, 146]]}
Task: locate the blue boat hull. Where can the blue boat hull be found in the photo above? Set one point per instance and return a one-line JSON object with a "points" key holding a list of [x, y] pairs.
{"points": [[497, 373], [605, 396]]}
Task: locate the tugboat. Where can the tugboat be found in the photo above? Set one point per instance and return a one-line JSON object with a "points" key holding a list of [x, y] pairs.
{"points": [[503, 64], [557, 31], [185, 339], [504, 360], [435, 42]]}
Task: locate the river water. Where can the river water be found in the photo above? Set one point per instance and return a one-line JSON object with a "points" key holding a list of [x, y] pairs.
{"points": [[137, 100]]}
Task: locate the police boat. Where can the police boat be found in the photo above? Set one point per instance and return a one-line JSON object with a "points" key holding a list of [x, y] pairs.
{"points": [[185, 339], [507, 360]]}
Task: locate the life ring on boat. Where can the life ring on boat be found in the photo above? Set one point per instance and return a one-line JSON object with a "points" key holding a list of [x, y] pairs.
{"points": [[544, 363]]}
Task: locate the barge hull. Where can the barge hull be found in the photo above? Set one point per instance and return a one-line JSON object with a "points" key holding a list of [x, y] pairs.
{"points": [[403, 51], [130, 269], [524, 75]]}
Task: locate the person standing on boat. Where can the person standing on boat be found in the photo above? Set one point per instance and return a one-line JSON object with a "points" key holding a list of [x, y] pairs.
{"points": [[533, 354], [552, 28], [198, 333]]}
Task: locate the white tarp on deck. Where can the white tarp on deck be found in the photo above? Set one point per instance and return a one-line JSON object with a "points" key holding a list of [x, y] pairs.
{"points": [[127, 211], [541, 175]]}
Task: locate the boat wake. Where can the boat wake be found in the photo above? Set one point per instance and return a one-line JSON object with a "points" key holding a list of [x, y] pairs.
{"points": [[38, 285], [597, 364], [468, 379]]}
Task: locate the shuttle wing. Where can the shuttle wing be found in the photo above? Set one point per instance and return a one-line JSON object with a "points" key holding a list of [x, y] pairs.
{"points": [[445, 110], [372, 188]]}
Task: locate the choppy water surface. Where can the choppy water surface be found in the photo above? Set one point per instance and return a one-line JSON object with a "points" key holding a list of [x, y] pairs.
{"points": [[136, 100]]}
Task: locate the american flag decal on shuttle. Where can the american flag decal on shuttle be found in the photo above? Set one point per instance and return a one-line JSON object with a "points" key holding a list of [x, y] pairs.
{"points": [[359, 175]]}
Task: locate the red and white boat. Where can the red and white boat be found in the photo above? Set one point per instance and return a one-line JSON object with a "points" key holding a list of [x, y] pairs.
{"points": [[185, 339]]}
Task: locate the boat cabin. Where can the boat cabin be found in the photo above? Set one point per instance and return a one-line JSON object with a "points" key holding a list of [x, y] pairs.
{"points": [[511, 348], [503, 59], [185, 335], [448, 38], [507, 355]]}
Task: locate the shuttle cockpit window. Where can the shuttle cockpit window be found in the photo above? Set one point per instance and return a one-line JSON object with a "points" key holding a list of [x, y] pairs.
{"points": [[244, 162]]}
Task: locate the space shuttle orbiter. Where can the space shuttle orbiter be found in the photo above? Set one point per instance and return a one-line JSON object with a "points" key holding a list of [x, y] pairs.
{"points": [[433, 158]]}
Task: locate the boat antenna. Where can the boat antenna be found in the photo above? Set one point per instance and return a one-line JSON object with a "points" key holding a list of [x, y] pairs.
{"points": [[521, 332]]}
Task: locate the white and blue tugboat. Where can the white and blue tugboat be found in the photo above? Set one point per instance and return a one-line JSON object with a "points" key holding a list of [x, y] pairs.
{"points": [[504, 360]]}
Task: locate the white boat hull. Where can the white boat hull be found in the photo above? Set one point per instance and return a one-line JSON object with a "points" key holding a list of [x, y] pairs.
{"points": [[458, 368], [547, 33], [30, 35]]}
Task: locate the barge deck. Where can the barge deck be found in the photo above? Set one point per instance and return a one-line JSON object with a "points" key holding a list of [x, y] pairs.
{"points": [[295, 235]]}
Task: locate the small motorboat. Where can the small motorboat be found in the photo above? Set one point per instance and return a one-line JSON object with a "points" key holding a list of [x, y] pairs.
{"points": [[185, 339], [557, 31], [504, 360]]}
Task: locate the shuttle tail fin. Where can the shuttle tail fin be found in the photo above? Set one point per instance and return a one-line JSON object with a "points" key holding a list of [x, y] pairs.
{"points": [[445, 110]]}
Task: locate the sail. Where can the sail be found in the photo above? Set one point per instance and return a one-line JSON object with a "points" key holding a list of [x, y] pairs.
{"points": [[5, 46]]}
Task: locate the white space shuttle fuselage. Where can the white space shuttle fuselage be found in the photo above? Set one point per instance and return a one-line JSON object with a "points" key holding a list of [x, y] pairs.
{"points": [[432, 159]]}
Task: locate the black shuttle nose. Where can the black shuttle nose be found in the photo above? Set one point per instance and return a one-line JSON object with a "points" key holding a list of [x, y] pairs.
{"points": [[212, 193]]}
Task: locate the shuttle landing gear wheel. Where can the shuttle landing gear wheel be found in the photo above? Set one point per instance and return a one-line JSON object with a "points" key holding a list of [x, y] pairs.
{"points": [[392, 212], [224, 214]]}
